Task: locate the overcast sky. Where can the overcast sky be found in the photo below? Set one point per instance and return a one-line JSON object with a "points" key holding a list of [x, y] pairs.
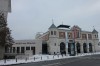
{"points": [[31, 16]]}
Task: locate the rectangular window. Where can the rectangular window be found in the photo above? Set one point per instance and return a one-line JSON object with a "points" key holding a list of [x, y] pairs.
{"points": [[78, 34], [55, 44], [27, 48], [54, 32], [89, 36], [84, 36], [18, 49], [69, 35], [22, 49], [61, 34], [33, 49], [51, 32], [14, 50]]}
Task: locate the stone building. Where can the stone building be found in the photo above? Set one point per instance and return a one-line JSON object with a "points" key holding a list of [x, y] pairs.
{"points": [[24, 48], [57, 40]]}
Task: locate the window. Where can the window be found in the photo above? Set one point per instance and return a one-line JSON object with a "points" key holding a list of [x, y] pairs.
{"points": [[51, 32], [99, 44], [61, 34], [18, 49], [22, 49], [77, 34], [54, 32], [55, 44], [33, 49], [54, 53], [95, 36], [14, 50], [69, 35], [84, 36], [27, 48], [89, 36]]}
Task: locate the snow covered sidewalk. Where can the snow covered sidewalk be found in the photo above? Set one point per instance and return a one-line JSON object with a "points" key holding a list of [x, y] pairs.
{"points": [[38, 58]]}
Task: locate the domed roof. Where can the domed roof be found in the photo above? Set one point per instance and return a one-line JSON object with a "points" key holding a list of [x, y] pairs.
{"points": [[63, 26], [94, 31]]}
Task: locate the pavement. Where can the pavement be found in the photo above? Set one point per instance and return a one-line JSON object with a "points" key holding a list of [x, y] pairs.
{"points": [[93, 60]]}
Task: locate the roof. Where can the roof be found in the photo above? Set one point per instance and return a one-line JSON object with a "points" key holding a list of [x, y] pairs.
{"points": [[94, 31], [63, 26], [52, 26]]}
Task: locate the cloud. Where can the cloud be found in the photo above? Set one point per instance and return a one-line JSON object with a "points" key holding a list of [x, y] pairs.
{"points": [[36, 15]]}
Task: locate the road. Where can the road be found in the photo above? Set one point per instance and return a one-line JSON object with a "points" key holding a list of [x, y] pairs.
{"points": [[80, 61]]}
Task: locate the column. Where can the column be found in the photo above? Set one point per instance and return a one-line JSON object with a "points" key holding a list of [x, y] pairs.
{"points": [[75, 48], [88, 48], [81, 48]]}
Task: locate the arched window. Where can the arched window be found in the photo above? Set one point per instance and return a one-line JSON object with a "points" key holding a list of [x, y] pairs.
{"points": [[62, 48]]}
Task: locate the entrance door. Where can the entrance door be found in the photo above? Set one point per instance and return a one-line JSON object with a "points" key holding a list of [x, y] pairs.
{"points": [[78, 47], [85, 48], [71, 49], [62, 48], [90, 47], [33, 49], [44, 49]]}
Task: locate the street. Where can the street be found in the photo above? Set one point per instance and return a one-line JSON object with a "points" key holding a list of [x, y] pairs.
{"points": [[93, 60]]}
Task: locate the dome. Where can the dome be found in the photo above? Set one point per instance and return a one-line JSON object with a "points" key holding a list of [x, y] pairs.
{"points": [[63, 26]]}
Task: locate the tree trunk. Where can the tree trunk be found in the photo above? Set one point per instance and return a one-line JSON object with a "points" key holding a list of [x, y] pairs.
{"points": [[2, 51]]}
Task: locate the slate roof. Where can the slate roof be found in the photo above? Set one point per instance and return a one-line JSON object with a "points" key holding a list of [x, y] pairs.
{"points": [[52, 26], [63, 26], [94, 31]]}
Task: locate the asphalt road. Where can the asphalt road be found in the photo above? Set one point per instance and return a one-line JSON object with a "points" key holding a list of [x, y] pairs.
{"points": [[80, 61]]}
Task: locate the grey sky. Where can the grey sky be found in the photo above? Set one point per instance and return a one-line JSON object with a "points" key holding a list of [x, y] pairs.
{"points": [[31, 16]]}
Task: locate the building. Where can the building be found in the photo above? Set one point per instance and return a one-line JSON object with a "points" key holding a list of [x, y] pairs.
{"points": [[5, 8], [58, 40], [24, 48]]}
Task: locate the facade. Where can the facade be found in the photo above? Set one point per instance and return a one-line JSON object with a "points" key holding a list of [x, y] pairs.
{"points": [[5, 8], [24, 48], [57, 40]]}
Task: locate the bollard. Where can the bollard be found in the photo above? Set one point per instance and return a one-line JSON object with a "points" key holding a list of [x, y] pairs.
{"points": [[53, 57], [4, 60], [26, 59], [34, 58], [58, 56], [16, 59], [47, 57], [41, 57], [62, 55], [65, 54]]}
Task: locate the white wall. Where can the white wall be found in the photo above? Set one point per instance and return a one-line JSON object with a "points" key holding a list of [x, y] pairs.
{"points": [[37, 44]]}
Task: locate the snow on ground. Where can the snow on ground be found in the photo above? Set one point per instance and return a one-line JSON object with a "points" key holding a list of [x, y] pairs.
{"points": [[38, 58]]}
